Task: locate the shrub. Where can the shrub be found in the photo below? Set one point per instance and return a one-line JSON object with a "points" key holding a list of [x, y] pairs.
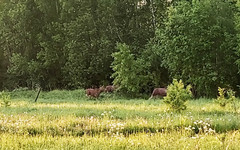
{"points": [[177, 95], [221, 100], [5, 99], [226, 97]]}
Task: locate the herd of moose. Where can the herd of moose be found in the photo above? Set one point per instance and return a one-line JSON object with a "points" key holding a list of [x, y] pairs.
{"points": [[95, 92]]}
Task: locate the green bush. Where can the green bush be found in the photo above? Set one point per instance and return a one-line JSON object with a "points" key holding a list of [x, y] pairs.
{"points": [[177, 95], [226, 97], [5, 99]]}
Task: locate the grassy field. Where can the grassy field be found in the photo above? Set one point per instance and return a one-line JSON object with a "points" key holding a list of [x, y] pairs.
{"points": [[69, 120]]}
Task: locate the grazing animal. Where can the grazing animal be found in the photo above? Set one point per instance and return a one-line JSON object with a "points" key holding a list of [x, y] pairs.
{"points": [[110, 88], [94, 92], [159, 92]]}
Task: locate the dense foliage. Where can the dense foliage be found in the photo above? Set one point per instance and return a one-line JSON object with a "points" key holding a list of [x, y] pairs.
{"points": [[130, 73], [198, 44], [68, 44], [137, 44]]}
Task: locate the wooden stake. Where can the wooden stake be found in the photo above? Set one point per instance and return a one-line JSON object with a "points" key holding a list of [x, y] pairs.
{"points": [[39, 90]]}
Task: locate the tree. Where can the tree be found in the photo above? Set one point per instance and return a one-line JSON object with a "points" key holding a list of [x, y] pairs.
{"points": [[151, 55], [21, 23], [237, 21], [18, 71], [88, 48], [131, 74], [68, 44], [198, 44]]}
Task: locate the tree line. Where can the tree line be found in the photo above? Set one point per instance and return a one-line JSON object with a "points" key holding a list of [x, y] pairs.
{"points": [[135, 44]]}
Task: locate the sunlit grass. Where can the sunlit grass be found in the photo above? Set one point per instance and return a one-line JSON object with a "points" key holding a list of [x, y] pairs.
{"points": [[77, 122], [173, 140]]}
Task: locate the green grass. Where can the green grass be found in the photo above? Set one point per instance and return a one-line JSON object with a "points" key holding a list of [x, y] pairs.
{"points": [[69, 120]]}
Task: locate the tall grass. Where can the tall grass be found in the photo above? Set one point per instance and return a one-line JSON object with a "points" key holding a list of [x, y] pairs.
{"points": [[69, 120]]}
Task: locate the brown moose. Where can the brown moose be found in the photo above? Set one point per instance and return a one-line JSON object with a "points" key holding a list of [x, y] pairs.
{"points": [[110, 88], [159, 92], [94, 92]]}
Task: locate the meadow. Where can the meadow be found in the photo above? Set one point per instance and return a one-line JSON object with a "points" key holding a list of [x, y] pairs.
{"points": [[70, 120]]}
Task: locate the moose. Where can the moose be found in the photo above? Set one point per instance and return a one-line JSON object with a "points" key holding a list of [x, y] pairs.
{"points": [[94, 92], [159, 92], [110, 88]]}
